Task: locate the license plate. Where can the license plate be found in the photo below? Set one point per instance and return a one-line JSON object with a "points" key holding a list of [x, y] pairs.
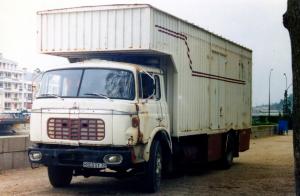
{"points": [[94, 165]]}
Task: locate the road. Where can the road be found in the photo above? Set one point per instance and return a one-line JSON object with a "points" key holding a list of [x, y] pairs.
{"points": [[266, 169]]}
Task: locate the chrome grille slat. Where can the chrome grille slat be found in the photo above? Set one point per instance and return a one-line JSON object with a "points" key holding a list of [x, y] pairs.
{"points": [[76, 129]]}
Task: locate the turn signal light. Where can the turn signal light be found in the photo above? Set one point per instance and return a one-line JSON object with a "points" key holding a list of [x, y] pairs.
{"points": [[135, 121]]}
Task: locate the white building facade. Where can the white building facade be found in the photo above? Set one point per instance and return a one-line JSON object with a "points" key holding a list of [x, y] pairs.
{"points": [[15, 91]]}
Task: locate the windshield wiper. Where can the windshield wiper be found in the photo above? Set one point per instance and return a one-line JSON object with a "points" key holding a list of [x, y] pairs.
{"points": [[50, 95], [98, 95]]}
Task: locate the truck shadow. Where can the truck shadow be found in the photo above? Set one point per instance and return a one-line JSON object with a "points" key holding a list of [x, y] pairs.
{"points": [[107, 186], [205, 177], [132, 185]]}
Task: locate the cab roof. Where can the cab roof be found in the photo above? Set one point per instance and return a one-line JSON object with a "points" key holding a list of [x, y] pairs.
{"points": [[97, 63]]}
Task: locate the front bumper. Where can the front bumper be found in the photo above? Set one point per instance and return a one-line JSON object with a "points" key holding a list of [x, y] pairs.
{"points": [[76, 156]]}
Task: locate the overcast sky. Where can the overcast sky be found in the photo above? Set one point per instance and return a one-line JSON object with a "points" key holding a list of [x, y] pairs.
{"points": [[256, 24]]}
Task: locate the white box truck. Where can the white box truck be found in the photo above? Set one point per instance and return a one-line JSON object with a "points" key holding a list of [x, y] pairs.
{"points": [[145, 91]]}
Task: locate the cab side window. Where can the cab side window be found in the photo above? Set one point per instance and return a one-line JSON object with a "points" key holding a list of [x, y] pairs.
{"points": [[149, 87], [146, 86]]}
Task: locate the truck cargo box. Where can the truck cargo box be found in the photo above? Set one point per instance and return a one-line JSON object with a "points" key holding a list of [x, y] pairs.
{"points": [[208, 77]]}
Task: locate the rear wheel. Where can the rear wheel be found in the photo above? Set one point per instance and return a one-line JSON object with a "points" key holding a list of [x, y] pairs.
{"points": [[227, 159], [154, 168], [59, 176]]}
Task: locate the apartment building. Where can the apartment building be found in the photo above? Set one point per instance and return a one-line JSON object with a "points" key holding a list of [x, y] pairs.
{"points": [[15, 90]]}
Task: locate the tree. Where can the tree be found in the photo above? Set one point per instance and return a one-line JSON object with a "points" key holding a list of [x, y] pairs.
{"points": [[291, 21]]}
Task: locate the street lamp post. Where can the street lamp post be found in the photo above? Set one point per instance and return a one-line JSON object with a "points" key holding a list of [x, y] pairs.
{"points": [[270, 93]]}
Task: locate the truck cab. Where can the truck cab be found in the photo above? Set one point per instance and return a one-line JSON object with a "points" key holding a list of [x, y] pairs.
{"points": [[96, 115]]}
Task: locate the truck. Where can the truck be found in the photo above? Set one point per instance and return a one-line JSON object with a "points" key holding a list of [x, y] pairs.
{"points": [[144, 93]]}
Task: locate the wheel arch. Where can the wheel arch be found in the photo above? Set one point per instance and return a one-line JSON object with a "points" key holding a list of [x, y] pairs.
{"points": [[163, 136]]}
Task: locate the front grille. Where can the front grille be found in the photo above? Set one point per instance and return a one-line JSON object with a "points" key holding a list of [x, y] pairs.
{"points": [[76, 129]]}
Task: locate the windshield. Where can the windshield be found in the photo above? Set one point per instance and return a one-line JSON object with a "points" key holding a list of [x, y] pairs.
{"points": [[96, 83]]}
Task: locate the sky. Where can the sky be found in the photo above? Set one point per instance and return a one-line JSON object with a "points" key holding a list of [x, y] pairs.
{"points": [[256, 24]]}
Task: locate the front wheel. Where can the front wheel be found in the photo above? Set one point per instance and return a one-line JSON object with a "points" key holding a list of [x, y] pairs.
{"points": [[154, 168], [60, 176]]}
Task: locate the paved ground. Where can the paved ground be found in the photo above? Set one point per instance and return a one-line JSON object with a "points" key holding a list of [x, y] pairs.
{"points": [[266, 169]]}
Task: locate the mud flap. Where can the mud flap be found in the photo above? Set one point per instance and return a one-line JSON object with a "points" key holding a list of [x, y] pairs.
{"points": [[244, 140]]}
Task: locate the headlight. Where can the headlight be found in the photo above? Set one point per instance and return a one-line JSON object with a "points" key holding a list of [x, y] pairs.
{"points": [[113, 159], [35, 156]]}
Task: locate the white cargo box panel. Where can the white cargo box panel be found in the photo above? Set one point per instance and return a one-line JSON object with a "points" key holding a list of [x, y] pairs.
{"points": [[92, 29], [208, 77]]}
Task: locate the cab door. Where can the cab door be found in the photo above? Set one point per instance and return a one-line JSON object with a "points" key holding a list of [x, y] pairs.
{"points": [[162, 105], [150, 113]]}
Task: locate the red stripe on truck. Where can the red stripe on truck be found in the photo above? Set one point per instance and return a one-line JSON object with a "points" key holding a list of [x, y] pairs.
{"points": [[215, 78], [196, 73], [220, 77]]}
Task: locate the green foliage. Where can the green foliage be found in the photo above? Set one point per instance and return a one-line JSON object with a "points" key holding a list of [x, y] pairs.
{"points": [[263, 120]]}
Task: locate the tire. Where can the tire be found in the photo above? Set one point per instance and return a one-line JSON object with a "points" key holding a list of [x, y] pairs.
{"points": [[227, 160], [60, 176], [154, 168]]}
